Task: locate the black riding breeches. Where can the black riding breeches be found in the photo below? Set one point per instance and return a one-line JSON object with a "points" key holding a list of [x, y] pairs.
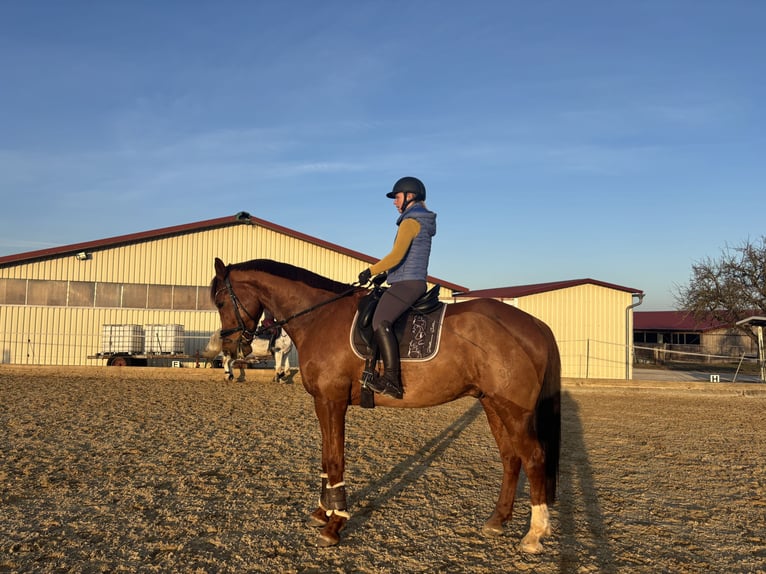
{"points": [[396, 300]]}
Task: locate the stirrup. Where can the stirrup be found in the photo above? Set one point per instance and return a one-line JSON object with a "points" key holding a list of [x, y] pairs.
{"points": [[367, 378], [372, 381], [383, 385]]}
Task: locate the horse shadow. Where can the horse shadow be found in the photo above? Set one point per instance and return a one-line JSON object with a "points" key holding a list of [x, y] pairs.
{"points": [[403, 475], [583, 534], [581, 531]]}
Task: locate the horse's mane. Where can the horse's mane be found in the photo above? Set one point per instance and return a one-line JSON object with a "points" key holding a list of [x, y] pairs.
{"points": [[291, 272]]}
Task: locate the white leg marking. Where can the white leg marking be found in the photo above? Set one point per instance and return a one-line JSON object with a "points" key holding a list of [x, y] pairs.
{"points": [[539, 526]]}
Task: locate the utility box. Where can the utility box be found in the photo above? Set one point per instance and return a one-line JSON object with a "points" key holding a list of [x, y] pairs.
{"points": [[164, 339], [122, 339]]}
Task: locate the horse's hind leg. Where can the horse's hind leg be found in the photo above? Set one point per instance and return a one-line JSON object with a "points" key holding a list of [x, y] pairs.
{"points": [[511, 468], [524, 445]]}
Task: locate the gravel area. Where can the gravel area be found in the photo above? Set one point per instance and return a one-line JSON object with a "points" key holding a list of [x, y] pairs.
{"points": [[107, 469]]}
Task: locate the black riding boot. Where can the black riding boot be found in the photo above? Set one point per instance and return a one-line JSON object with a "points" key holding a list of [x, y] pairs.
{"points": [[389, 383]]}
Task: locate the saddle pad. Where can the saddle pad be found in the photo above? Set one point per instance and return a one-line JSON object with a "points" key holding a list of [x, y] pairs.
{"points": [[418, 342]]}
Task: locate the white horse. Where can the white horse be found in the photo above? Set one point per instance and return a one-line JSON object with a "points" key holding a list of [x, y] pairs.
{"points": [[259, 353], [282, 345]]}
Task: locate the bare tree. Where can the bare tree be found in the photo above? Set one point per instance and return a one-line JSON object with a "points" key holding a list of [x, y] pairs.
{"points": [[730, 288]]}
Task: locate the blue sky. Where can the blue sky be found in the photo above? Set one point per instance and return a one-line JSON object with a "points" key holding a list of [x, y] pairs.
{"points": [[617, 140]]}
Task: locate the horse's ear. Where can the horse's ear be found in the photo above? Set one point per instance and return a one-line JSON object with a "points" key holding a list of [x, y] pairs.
{"points": [[220, 268]]}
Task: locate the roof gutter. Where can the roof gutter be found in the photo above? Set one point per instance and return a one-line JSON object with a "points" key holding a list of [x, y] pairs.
{"points": [[628, 334]]}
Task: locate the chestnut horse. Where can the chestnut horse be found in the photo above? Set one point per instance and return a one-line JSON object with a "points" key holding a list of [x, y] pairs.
{"points": [[502, 356]]}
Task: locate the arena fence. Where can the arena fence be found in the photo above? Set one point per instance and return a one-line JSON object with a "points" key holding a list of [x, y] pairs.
{"points": [[586, 358]]}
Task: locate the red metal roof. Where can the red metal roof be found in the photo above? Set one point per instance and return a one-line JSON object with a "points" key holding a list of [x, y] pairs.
{"points": [[672, 321], [242, 218], [524, 290]]}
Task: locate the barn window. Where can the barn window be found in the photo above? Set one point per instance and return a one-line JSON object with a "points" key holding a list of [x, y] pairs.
{"points": [[52, 293], [108, 294], [81, 294], [184, 297], [13, 291], [134, 295], [160, 297]]}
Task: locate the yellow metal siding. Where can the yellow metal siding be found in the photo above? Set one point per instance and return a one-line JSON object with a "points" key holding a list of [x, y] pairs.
{"points": [[588, 320], [589, 324], [187, 259], [65, 335]]}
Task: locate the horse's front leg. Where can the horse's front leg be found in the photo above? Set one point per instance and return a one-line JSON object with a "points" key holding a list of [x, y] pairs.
{"points": [[332, 512]]}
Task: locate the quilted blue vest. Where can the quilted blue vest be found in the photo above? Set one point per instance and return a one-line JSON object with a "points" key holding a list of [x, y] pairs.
{"points": [[414, 266]]}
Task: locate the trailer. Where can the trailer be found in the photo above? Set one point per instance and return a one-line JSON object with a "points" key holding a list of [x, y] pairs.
{"points": [[136, 345], [142, 359]]}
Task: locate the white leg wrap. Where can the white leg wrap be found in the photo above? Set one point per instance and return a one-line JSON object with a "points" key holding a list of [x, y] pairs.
{"points": [[342, 513]]}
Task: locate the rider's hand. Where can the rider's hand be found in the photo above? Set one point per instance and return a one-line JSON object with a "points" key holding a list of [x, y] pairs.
{"points": [[380, 278], [364, 277]]}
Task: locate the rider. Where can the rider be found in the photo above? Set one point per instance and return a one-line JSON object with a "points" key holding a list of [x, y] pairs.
{"points": [[407, 266]]}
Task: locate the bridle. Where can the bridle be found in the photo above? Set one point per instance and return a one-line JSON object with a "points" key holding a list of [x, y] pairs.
{"points": [[247, 335]]}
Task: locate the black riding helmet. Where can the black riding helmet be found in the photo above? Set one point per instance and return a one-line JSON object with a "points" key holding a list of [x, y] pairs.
{"points": [[409, 185]]}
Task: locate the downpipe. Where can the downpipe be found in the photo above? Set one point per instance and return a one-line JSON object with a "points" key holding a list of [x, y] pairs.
{"points": [[628, 334]]}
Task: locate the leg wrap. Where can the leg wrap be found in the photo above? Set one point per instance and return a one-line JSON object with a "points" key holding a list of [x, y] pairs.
{"points": [[335, 500], [336, 497], [332, 499]]}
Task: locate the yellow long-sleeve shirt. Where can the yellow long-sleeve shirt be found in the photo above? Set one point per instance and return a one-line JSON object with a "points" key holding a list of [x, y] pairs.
{"points": [[408, 230]]}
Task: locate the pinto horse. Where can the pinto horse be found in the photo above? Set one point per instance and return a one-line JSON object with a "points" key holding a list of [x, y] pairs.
{"points": [[498, 354]]}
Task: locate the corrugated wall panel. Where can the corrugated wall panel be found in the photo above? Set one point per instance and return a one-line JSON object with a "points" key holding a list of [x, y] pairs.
{"points": [[187, 259], [67, 335], [589, 324]]}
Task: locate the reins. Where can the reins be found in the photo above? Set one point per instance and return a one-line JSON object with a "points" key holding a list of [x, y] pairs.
{"points": [[248, 335], [346, 293]]}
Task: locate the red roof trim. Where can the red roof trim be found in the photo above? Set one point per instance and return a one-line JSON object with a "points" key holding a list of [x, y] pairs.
{"points": [[525, 290], [191, 227]]}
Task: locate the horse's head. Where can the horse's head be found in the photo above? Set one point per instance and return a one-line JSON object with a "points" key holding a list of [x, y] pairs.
{"points": [[239, 309]]}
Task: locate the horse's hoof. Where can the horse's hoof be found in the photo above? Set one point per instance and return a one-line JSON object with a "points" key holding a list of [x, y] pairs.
{"points": [[324, 541], [492, 530], [316, 522], [531, 546]]}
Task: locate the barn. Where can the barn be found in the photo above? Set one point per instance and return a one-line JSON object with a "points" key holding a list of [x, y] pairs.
{"points": [[61, 306], [592, 321], [71, 305], [679, 336]]}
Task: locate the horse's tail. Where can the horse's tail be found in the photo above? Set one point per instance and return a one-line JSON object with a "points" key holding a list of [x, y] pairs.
{"points": [[548, 416]]}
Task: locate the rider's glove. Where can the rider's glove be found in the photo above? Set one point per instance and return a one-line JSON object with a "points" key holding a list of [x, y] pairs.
{"points": [[364, 277]]}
